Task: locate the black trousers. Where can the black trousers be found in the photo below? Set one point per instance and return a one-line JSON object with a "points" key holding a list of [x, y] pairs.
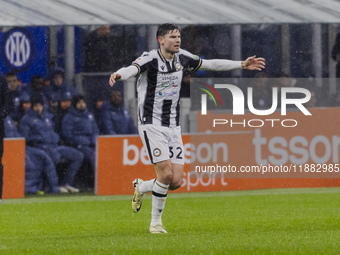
{"points": [[2, 134]]}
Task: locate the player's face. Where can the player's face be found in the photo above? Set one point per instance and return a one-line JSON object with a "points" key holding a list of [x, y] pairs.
{"points": [[104, 30], [26, 106], [13, 82], [81, 105], [171, 42], [116, 98], [38, 84], [38, 108], [58, 80], [65, 104]]}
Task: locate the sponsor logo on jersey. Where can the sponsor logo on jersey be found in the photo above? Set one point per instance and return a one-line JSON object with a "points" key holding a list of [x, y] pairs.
{"points": [[167, 77], [172, 93]]}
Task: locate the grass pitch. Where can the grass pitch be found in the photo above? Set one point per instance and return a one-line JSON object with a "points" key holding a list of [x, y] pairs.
{"points": [[285, 221]]}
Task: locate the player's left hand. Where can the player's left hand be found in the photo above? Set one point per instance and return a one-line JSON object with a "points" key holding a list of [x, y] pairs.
{"points": [[113, 78], [254, 63]]}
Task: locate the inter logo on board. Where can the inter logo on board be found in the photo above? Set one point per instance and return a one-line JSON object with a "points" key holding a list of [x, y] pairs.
{"points": [[17, 49]]}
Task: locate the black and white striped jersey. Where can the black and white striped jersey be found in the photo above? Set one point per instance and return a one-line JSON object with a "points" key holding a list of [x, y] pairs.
{"points": [[159, 86]]}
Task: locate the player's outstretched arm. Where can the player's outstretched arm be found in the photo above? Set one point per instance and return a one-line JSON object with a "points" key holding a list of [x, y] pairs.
{"points": [[123, 74], [254, 63], [251, 63]]}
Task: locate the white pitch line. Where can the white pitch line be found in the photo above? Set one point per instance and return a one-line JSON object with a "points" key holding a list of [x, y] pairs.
{"points": [[93, 198]]}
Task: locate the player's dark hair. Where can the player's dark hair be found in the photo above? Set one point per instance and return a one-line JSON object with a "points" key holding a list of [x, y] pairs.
{"points": [[36, 77], [58, 72], [76, 99], [37, 99], [10, 74], [166, 28]]}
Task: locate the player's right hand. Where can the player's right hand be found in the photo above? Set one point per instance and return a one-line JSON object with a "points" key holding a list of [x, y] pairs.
{"points": [[113, 78]]}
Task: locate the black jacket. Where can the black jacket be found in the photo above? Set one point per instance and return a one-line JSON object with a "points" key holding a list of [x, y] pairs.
{"points": [[4, 98], [336, 48]]}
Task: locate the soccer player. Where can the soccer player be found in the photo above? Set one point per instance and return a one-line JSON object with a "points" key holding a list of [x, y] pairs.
{"points": [[161, 72]]}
